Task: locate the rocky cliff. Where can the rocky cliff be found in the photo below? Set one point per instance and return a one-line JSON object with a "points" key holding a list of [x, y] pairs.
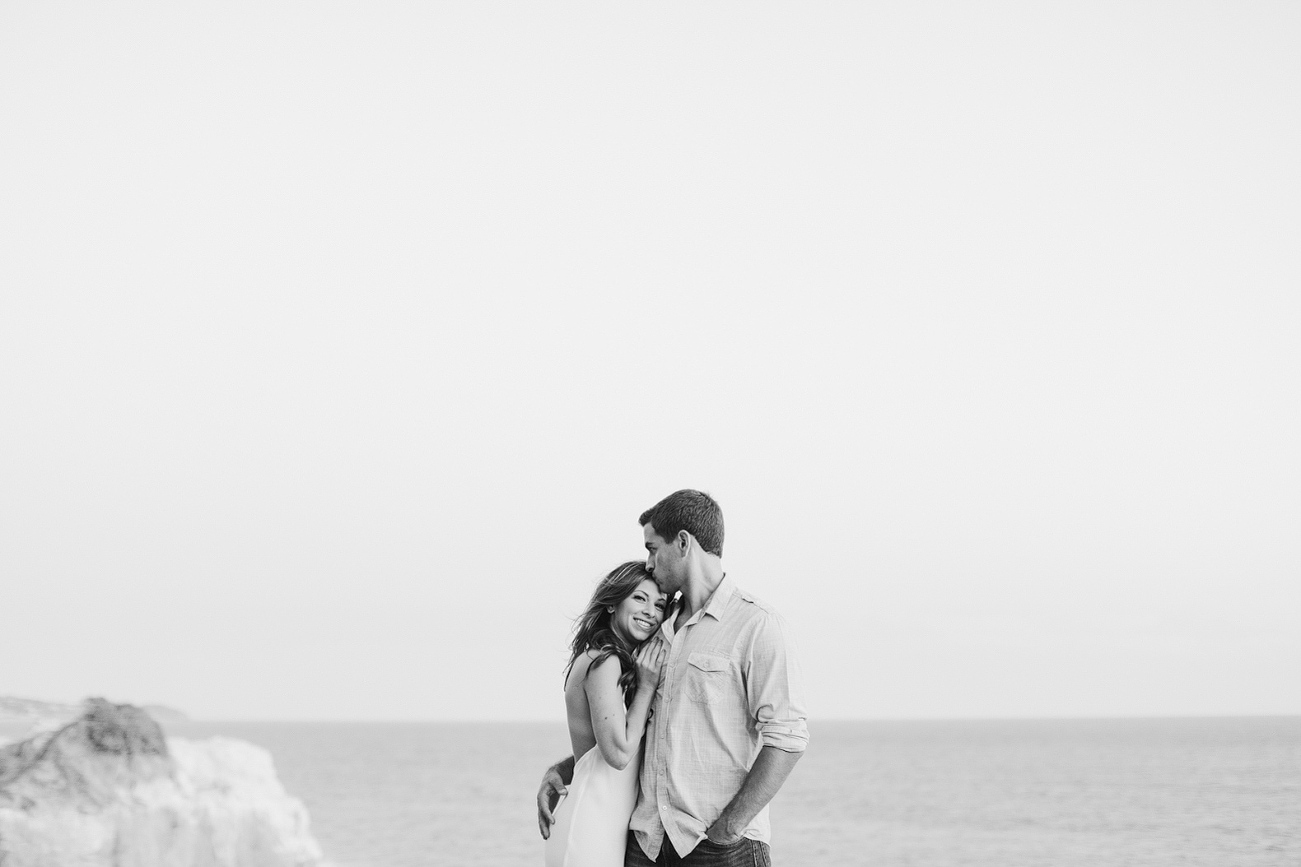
{"points": [[37, 715], [109, 789]]}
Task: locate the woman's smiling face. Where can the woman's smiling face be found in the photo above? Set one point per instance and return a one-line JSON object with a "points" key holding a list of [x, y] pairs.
{"points": [[641, 612]]}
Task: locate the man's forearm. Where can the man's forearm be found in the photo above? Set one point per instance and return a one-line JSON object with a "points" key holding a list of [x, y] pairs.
{"points": [[770, 770], [565, 768], [554, 782]]}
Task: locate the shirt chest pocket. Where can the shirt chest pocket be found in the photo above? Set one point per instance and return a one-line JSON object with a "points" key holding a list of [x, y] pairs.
{"points": [[707, 677]]}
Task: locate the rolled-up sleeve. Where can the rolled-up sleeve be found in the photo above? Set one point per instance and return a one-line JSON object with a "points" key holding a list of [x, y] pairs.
{"points": [[775, 686]]}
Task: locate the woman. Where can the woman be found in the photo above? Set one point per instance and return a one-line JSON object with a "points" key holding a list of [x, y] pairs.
{"points": [[611, 678]]}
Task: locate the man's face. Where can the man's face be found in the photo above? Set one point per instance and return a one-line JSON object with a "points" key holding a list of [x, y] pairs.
{"points": [[664, 561]]}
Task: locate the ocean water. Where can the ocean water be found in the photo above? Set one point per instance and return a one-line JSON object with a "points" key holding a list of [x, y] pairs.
{"points": [[1120, 793]]}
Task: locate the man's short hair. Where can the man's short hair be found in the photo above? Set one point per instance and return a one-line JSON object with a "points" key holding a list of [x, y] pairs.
{"points": [[693, 511]]}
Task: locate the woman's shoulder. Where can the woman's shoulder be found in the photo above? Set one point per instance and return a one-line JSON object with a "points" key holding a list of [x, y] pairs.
{"points": [[588, 660], [601, 659]]}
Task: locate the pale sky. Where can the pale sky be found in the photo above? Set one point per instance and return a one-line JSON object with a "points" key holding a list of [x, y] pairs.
{"points": [[341, 346]]}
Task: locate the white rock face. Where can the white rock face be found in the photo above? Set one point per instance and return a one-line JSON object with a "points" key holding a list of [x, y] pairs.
{"points": [[109, 791]]}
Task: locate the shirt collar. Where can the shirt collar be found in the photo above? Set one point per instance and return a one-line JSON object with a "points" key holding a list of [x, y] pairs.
{"points": [[717, 603], [714, 607]]}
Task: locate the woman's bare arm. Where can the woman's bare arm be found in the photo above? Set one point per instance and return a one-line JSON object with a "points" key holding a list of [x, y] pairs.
{"points": [[619, 732]]}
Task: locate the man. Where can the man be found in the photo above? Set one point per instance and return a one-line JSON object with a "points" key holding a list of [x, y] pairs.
{"points": [[728, 719]]}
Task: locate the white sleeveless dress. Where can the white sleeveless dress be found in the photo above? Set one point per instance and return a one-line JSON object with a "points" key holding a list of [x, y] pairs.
{"points": [[591, 828]]}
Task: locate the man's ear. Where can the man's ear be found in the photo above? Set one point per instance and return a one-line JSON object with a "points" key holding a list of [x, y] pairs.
{"points": [[684, 541]]}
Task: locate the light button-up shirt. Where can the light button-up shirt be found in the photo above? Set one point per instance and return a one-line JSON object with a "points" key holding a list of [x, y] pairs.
{"points": [[731, 685]]}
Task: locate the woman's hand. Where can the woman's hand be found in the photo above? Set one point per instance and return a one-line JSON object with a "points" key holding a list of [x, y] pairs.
{"points": [[650, 659]]}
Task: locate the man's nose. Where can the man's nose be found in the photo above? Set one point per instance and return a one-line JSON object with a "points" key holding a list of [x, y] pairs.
{"points": [[650, 563]]}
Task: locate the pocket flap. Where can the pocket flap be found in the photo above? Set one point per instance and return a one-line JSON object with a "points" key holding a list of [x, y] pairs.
{"points": [[708, 662]]}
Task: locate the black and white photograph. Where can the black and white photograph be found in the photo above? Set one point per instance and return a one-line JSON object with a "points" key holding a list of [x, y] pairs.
{"points": [[657, 434]]}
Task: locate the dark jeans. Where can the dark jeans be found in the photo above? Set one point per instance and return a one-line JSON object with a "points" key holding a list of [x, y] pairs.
{"points": [[742, 853]]}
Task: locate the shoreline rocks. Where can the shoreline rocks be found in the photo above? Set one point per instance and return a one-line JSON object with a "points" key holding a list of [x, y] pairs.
{"points": [[110, 789], [34, 715]]}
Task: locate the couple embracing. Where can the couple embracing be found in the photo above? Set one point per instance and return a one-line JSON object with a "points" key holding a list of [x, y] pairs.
{"points": [[685, 710]]}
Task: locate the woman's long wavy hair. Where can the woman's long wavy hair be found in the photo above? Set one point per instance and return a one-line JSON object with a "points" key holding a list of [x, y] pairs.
{"points": [[593, 629]]}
